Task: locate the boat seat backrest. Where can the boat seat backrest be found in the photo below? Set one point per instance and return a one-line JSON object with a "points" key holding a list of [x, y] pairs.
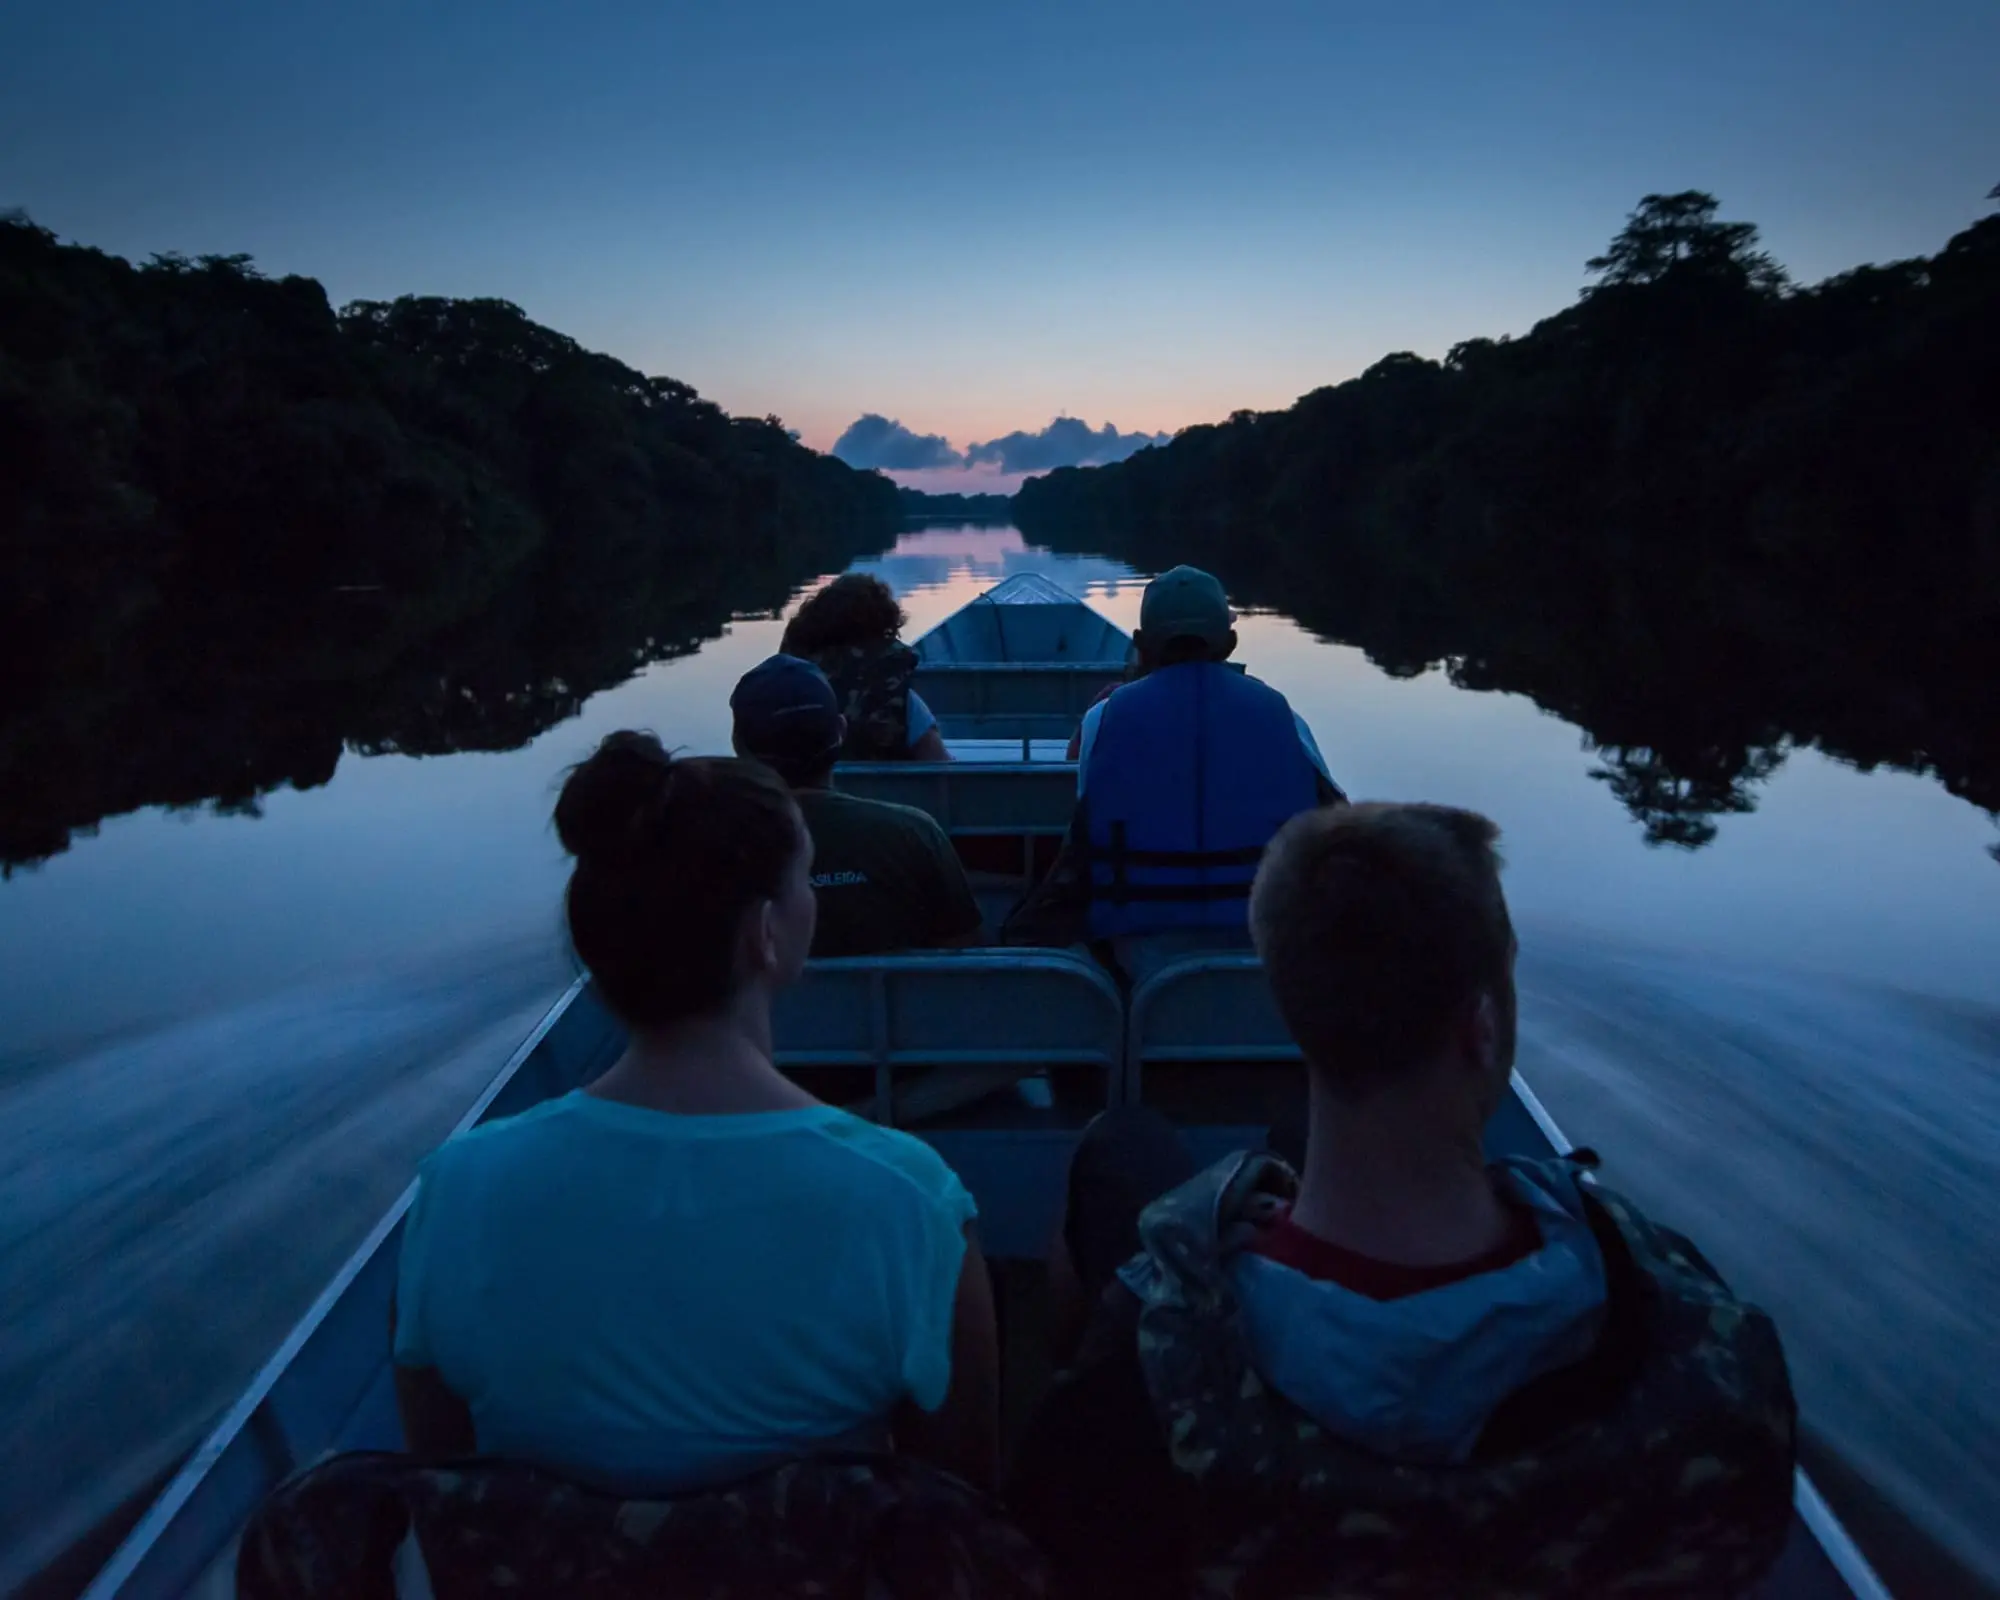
{"points": [[968, 798], [949, 1042], [988, 1015], [1009, 700], [1207, 1008]]}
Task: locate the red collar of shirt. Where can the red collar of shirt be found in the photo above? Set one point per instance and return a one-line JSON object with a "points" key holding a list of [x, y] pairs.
{"points": [[1286, 1243]]}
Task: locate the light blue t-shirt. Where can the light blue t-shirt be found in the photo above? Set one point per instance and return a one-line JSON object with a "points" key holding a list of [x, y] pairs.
{"points": [[650, 1303]]}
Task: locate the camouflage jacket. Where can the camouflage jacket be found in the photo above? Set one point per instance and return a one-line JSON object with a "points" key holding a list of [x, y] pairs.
{"points": [[873, 683], [1661, 1464], [849, 1528]]}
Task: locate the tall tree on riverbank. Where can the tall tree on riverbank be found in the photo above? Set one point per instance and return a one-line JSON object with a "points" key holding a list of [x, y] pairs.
{"points": [[1700, 513], [1679, 233]]}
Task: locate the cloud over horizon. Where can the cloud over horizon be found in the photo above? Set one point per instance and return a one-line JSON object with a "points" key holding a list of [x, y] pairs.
{"points": [[1065, 442], [872, 440]]}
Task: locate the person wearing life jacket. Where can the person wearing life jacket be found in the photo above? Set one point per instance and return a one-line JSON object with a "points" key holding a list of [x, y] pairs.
{"points": [[1399, 1369], [851, 631], [1183, 776]]}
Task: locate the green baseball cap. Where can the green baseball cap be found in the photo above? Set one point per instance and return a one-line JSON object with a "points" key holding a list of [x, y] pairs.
{"points": [[1185, 603]]}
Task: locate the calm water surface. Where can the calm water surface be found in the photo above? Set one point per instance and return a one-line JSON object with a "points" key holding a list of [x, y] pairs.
{"points": [[225, 1040]]}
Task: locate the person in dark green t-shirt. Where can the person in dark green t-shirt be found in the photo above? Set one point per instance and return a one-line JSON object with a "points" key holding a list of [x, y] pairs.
{"points": [[885, 876]]}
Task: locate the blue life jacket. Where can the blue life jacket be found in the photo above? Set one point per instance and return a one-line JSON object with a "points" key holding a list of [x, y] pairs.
{"points": [[1194, 767]]}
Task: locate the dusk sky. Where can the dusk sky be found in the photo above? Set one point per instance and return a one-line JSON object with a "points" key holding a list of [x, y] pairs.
{"points": [[974, 221]]}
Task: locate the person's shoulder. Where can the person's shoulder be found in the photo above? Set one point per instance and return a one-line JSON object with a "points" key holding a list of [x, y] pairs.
{"points": [[890, 816], [1259, 684], [1658, 1249], [911, 818], [1093, 718], [473, 1153], [854, 805], [904, 1160], [531, 1126]]}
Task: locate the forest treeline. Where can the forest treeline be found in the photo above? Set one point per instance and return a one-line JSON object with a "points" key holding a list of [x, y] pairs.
{"points": [[241, 531], [971, 507], [1703, 513]]}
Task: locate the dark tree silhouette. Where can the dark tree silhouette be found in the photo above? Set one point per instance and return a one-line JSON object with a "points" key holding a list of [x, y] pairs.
{"points": [[1678, 804], [1703, 520], [1670, 233], [243, 533], [972, 507]]}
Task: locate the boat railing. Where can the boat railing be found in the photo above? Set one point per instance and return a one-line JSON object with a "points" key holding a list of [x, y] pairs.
{"points": [[1204, 1010], [963, 1049], [1014, 699], [1028, 747], [935, 1029], [969, 799]]}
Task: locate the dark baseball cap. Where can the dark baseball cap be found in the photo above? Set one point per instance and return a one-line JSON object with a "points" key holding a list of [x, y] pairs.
{"points": [[786, 713], [1185, 603]]}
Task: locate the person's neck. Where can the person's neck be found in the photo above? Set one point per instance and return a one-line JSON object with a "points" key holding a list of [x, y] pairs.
{"points": [[716, 1064], [1380, 1181]]}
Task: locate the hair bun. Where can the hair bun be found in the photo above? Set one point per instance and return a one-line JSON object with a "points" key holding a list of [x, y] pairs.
{"points": [[608, 800]]}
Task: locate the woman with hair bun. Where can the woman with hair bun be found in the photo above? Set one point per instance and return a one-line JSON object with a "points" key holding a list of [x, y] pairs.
{"points": [[691, 1269]]}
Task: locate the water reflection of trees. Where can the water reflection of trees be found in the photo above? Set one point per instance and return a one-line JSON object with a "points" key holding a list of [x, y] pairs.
{"points": [[1703, 516], [1677, 805], [243, 533], [196, 712]]}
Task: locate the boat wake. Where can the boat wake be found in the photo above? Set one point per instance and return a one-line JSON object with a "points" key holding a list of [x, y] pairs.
{"points": [[1831, 1145], [172, 1200]]}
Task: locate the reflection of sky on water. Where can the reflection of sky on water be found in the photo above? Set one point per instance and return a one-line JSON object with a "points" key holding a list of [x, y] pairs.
{"points": [[1880, 876], [939, 569]]}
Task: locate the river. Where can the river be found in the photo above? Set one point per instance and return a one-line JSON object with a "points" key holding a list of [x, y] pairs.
{"points": [[228, 1038]]}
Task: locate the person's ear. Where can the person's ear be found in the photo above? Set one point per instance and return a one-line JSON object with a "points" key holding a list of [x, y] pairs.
{"points": [[761, 938], [1228, 646], [1479, 1034], [841, 723], [1483, 1033]]}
